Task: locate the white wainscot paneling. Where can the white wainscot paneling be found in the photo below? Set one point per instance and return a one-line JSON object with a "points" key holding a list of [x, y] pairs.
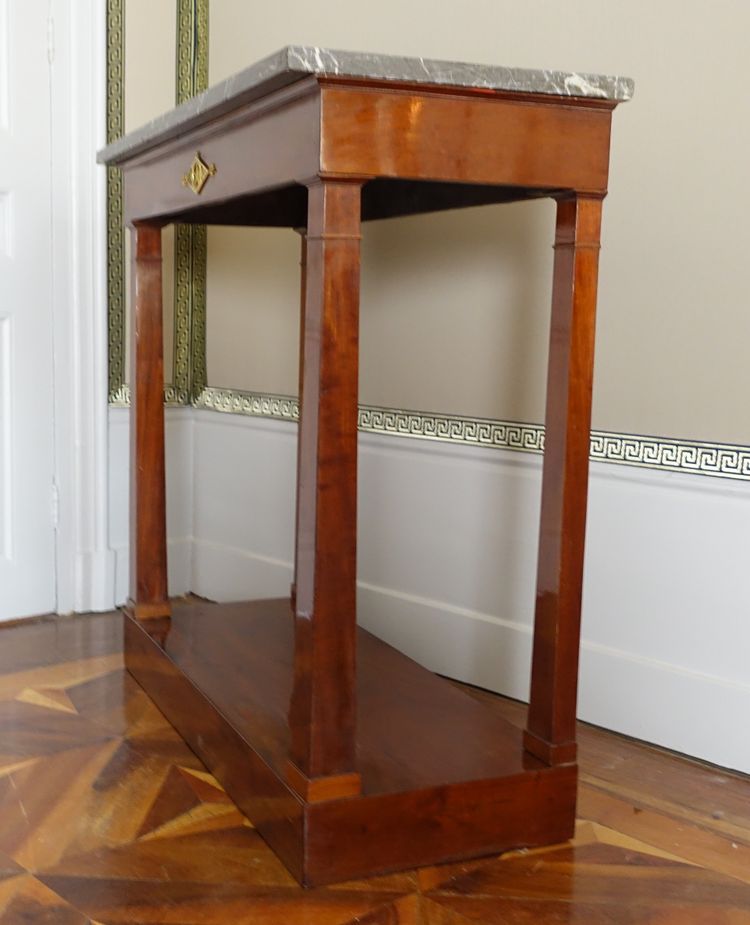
{"points": [[179, 453], [666, 598], [447, 558], [244, 501]]}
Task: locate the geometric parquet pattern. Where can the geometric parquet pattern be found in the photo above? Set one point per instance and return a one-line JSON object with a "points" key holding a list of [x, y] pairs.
{"points": [[107, 817]]}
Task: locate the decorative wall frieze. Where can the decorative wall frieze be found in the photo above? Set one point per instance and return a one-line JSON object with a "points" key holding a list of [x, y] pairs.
{"points": [[172, 397], [664, 453], [115, 120], [724, 460], [190, 240], [252, 404]]}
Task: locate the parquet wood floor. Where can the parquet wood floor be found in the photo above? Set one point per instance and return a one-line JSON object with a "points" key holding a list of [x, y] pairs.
{"points": [[107, 818]]}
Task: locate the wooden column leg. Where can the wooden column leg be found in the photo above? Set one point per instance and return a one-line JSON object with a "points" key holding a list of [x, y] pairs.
{"points": [[550, 733], [323, 708], [148, 535], [303, 294]]}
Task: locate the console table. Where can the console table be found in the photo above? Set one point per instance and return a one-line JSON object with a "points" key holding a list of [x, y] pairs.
{"points": [[348, 757]]}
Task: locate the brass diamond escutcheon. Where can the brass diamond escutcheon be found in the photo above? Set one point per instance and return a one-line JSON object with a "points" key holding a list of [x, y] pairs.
{"points": [[197, 177]]}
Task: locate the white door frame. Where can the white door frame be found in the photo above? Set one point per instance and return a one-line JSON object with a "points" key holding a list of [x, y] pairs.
{"points": [[85, 564]]}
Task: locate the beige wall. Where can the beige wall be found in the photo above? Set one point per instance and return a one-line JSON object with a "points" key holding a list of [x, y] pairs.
{"points": [[454, 318], [455, 307]]}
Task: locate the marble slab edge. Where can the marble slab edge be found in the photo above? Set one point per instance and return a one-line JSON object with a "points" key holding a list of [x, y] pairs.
{"points": [[296, 62]]}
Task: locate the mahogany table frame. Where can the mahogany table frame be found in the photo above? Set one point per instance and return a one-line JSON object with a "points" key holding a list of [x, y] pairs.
{"points": [[320, 156]]}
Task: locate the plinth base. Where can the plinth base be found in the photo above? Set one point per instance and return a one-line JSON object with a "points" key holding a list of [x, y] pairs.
{"points": [[444, 777]]}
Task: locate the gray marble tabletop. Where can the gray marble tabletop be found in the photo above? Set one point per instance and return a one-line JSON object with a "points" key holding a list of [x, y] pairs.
{"points": [[298, 61]]}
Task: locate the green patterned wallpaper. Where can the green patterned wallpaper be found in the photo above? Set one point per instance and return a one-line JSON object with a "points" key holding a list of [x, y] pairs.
{"points": [[189, 366]]}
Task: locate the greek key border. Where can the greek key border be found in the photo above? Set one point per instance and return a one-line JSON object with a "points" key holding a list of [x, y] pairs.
{"points": [[722, 460], [189, 364], [190, 254], [687, 456], [115, 119]]}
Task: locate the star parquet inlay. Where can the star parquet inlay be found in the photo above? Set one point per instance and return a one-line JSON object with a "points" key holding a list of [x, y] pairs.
{"points": [[107, 818]]}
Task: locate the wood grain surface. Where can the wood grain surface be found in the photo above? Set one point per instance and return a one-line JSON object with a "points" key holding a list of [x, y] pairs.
{"points": [[323, 704], [107, 818], [557, 624], [223, 675], [148, 505], [471, 138], [323, 154]]}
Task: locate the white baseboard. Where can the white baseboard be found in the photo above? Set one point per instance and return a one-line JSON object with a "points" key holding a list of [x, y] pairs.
{"points": [[447, 558], [180, 564], [225, 573], [691, 712], [651, 700], [95, 580], [179, 453]]}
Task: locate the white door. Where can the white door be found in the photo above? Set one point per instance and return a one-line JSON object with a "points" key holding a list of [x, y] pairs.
{"points": [[27, 550]]}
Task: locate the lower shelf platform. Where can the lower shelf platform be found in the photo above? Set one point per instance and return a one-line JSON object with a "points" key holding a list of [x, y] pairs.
{"points": [[444, 777]]}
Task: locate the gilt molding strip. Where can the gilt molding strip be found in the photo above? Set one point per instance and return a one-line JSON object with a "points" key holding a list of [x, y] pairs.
{"points": [[115, 119], [190, 241], [172, 398], [250, 404], [725, 460], [697, 457], [189, 362]]}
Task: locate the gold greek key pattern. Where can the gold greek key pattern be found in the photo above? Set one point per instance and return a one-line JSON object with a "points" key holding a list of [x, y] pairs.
{"points": [[199, 375], [719, 459], [698, 457], [190, 311], [509, 435], [192, 48], [190, 240], [688, 456], [183, 277], [115, 234]]}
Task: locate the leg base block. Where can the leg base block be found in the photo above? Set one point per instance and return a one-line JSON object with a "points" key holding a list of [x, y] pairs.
{"points": [[153, 610], [551, 754]]}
